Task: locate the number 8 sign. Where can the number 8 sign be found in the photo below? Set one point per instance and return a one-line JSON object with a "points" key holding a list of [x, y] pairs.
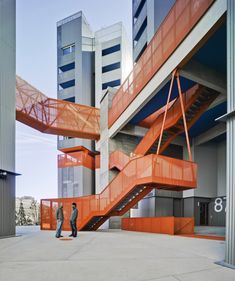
{"points": [[218, 205]]}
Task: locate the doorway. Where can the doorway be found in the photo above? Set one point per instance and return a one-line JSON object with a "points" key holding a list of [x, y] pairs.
{"points": [[204, 206]]}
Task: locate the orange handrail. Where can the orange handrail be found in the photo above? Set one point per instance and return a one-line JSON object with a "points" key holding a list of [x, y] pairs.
{"points": [[54, 116], [183, 16]]}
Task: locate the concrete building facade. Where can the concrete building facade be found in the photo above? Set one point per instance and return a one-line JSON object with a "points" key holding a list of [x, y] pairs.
{"points": [[112, 59], [88, 63], [7, 117], [147, 15]]}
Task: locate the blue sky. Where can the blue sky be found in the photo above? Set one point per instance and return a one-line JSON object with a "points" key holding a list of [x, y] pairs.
{"points": [[36, 153]]}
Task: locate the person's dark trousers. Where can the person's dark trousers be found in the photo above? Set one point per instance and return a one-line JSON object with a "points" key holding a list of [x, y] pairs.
{"points": [[74, 228]]}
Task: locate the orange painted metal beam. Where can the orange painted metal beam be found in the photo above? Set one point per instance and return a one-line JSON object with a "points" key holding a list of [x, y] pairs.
{"points": [[183, 114], [148, 121], [166, 110], [54, 116]]}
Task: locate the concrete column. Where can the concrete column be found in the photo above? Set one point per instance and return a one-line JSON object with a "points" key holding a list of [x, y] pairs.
{"points": [[230, 220], [7, 117]]}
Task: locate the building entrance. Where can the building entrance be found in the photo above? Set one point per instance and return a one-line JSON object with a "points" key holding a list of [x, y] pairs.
{"points": [[204, 213]]}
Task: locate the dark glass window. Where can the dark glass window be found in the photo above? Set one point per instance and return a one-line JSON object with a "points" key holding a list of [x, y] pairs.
{"points": [[68, 49], [139, 9], [68, 84], [111, 50], [114, 83], [111, 67], [141, 30], [67, 67], [72, 99]]}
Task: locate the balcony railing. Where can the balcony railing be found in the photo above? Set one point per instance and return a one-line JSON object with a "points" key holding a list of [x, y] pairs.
{"points": [[183, 16], [76, 159]]}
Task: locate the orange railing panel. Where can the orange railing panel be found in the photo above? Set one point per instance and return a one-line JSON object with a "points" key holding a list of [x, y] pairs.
{"points": [[179, 22], [163, 225], [118, 160], [54, 116], [75, 159]]}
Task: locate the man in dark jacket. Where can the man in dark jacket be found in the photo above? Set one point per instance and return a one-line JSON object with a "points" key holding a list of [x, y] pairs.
{"points": [[73, 220], [60, 220]]}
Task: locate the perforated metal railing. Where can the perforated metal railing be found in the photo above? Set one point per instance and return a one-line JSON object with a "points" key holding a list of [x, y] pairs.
{"points": [[75, 159], [179, 22], [54, 116], [152, 170], [118, 160]]}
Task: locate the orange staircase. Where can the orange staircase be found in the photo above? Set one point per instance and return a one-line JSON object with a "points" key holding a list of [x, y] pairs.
{"points": [[140, 174], [136, 180], [54, 116], [196, 101]]}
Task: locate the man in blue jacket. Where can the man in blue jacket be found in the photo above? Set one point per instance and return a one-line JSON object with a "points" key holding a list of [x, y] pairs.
{"points": [[73, 220]]}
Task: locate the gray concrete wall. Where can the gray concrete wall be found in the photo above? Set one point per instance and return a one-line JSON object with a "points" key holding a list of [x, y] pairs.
{"points": [[7, 116], [217, 211], [158, 206], [206, 157], [7, 206], [221, 169], [75, 182], [189, 207]]}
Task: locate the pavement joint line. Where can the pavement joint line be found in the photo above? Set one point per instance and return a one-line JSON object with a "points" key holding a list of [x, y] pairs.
{"points": [[159, 278], [196, 271], [85, 259]]}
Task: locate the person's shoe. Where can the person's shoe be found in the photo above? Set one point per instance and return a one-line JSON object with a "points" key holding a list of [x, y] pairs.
{"points": [[71, 235], [61, 236], [75, 236]]}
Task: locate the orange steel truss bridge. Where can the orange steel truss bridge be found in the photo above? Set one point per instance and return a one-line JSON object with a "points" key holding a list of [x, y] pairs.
{"points": [[53, 116]]}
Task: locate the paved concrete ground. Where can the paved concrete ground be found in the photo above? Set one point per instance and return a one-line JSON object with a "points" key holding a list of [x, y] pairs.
{"points": [[111, 256], [210, 230]]}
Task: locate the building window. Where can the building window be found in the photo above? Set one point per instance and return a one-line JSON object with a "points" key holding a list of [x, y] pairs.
{"points": [[111, 67], [111, 50], [72, 99], [68, 49], [139, 9], [141, 30], [67, 84], [114, 83], [67, 67]]}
